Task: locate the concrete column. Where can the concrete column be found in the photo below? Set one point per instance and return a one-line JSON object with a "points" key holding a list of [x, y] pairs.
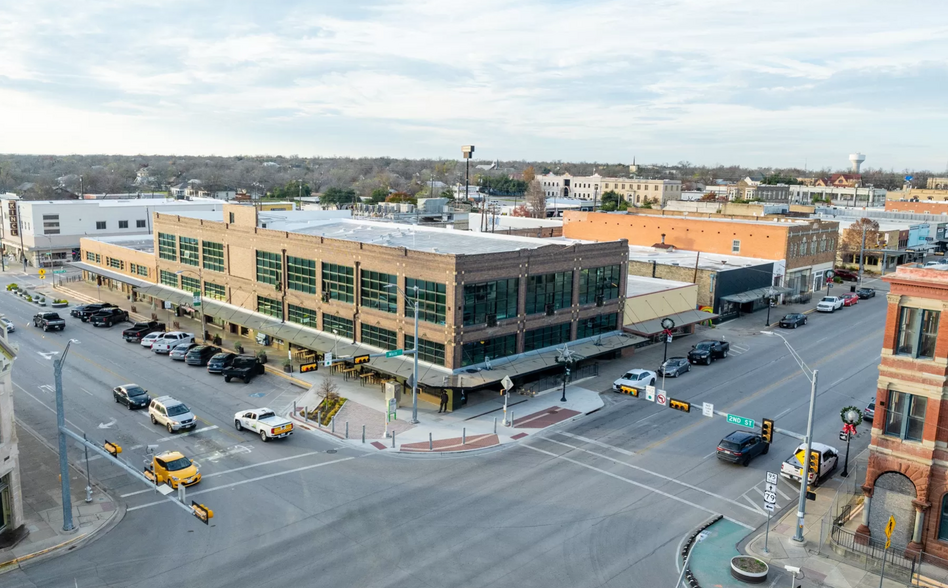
{"points": [[919, 525], [863, 533]]}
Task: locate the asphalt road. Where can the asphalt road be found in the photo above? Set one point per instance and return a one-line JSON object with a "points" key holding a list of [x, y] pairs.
{"points": [[604, 501]]}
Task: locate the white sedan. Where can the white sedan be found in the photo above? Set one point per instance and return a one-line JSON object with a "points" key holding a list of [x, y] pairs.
{"points": [[637, 379], [149, 339]]}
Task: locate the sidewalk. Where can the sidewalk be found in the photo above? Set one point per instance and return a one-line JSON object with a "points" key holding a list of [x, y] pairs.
{"points": [[42, 505]]}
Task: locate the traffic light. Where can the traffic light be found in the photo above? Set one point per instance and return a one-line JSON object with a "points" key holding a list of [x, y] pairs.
{"points": [[629, 390], [767, 430], [814, 465], [112, 448], [360, 359], [679, 405], [203, 513]]}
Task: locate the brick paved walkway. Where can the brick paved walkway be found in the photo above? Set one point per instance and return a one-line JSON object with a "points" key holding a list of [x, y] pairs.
{"points": [[455, 444], [544, 418]]}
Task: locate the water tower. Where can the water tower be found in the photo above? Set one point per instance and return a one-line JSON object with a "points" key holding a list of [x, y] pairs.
{"points": [[856, 159]]}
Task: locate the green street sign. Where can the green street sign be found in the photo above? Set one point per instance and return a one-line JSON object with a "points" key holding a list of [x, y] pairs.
{"points": [[61, 271], [739, 420], [394, 353]]}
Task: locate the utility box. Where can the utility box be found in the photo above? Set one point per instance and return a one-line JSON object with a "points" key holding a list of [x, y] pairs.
{"points": [[393, 390]]}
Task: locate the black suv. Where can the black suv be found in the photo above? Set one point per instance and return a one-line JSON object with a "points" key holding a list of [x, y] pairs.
{"points": [[741, 447], [217, 363], [108, 317], [201, 354], [707, 351], [84, 312]]}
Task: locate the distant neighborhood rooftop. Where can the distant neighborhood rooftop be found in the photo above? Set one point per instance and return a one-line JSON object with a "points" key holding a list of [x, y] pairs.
{"points": [[705, 261]]}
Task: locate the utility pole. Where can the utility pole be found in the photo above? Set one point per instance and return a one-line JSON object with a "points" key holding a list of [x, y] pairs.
{"points": [[804, 478], [862, 254], [414, 378], [68, 526]]}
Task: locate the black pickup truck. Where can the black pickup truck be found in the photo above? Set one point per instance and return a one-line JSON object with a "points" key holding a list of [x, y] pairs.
{"points": [[49, 321], [108, 317], [86, 311], [135, 333], [244, 367]]}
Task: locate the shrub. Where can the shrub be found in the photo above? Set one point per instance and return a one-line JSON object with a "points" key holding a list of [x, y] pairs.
{"points": [[12, 287], [238, 347], [29, 298], [60, 301]]}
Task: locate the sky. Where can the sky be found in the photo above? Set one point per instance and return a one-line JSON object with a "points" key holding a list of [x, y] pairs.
{"points": [[778, 83]]}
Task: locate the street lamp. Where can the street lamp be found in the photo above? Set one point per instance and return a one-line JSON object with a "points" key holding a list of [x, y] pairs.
{"points": [[770, 303], [68, 527], [667, 326], [414, 352], [811, 375]]}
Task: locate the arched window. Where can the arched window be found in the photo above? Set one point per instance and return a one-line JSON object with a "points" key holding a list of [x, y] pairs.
{"points": [[943, 519]]}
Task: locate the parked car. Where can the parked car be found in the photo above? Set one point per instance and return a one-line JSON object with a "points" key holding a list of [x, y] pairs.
{"points": [[172, 414], [866, 293], [846, 275], [264, 422], [792, 468], [850, 299], [131, 395], [707, 351], [169, 341], [49, 321], [108, 317], [149, 339], [86, 311], [637, 379], [7, 324], [793, 320], [829, 304], [674, 367], [220, 361], [174, 469], [201, 354], [244, 367], [180, 352], [136, 332], [741, 447], [869, 412]]}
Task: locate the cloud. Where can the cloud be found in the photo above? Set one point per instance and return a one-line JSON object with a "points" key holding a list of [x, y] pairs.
{"points": [[664, 80]]}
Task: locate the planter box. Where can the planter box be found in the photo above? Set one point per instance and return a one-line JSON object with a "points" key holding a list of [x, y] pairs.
{"points": [[756, 577], [59, 304]]}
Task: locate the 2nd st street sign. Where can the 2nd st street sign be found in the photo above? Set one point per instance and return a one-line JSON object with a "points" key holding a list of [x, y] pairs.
{"points": [[739, 420]]}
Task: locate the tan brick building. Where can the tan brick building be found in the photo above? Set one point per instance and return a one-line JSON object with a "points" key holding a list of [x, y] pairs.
{"points": [[633, 190]]}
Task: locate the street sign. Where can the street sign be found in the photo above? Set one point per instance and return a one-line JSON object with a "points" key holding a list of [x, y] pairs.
{"points": [[196, 300], [669, 339], [652, 388], [889, 527], [328, 360], [768, 506], [770, 487], [59, 271], [507, 383], [843, 436], [392, 407], [650, 393], [734, 419], [42, 272], [770, 497], [771, 477], [707, 409], [394, 353], [661, 399], [888, 542]]}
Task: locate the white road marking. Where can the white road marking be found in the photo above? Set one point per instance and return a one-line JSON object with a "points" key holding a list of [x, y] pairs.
{"points": [[47, 388], [50, 409], [709, 455], [86, 391], [757, 489], [777, 488], [236, 450], [47, 354], [633, 483], [754, 504], [195, 431], [599, 443], [266, 477], [656, 474]]}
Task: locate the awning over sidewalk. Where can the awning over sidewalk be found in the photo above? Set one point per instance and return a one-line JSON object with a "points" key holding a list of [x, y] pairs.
{"points": [[682, 319], [94, 269], [756, 294]]}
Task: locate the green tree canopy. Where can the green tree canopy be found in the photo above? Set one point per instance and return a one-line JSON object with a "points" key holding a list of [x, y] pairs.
{"points": [[502, 185], [378, 195], [338, 196], [291, 191]]}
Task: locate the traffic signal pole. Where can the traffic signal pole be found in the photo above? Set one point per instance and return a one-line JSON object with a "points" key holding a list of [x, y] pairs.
{"points": [[804, 479]]}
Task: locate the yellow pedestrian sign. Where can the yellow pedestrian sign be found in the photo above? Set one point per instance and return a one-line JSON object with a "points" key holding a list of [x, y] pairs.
{"points": [[42, 274], [889, 527]]}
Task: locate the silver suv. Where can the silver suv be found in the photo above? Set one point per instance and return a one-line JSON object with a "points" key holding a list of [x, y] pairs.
{"points": [[172, 414]]}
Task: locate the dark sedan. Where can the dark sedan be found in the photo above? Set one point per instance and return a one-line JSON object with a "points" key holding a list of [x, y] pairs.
{"points": [[741, 447], [793, 320], [674, 367], [217, 363], [201, 354], [131, 395], [866, 293]]}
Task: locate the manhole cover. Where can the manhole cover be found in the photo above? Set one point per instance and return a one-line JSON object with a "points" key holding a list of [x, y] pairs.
{"points": [[330, 451]]}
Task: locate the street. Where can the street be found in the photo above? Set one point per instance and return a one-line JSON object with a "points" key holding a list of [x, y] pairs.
{"points": [[604, 501]]}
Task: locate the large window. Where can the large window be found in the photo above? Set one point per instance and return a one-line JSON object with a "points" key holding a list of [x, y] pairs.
{"points": [[599, 283], [918, 330], [432, 300], [546, 337], [301, 315], [90, 256], [139, 270], [427, 350], [598, 325], [382, 338], [301, 274], [338, 282], [376, 295], [342, 326], [167, 247], [215, 291], [943, 521], [554, 291], [213, 256], [905, 416], [190, 284], [269, 307], [169, 278], [116, 263], [480, 351], [490, 300], [269, 268]]}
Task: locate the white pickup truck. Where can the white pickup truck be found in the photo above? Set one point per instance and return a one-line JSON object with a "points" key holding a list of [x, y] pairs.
{"points": [[264, 422], [792, 468], [168, 341]]}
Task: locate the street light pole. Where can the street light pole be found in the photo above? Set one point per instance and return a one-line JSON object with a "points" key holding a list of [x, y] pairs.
{"points": [[68, 526], [414, 377]]}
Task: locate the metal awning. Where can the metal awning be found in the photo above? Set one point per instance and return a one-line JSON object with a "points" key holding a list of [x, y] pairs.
{"points": [[94, 269], [682, 319], [755, 294]]}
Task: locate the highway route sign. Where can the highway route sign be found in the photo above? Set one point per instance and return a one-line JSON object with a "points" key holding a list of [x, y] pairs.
{"points": [[661, 399], [707, 409], [739, 420], [770, 497], [771, 477]]}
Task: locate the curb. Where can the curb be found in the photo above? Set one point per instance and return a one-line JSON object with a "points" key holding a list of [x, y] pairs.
{"points": [[689, 545], [295, 381]]}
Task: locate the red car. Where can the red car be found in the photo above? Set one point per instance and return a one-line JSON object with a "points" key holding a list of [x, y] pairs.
{"points": [[846, 275], [850, 299]]}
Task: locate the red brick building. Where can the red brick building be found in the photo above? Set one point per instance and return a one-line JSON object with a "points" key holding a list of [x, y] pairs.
{"points": [[907, 475]]}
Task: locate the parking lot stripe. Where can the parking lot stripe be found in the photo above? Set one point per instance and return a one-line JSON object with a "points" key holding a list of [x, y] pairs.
{"points": [[599, 443], [752, 503], [780, 492], [195, 431]]}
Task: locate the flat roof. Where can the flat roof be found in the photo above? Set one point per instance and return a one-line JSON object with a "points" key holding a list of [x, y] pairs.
{"points": [[706, 261], [773, 223], [128, 202], [142, 242], [641, 285]]}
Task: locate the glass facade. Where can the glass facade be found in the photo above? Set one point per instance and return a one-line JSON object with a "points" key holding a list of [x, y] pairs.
{"points": [[188, 249], [213, 256], [270, 307], [338, 282], [382, 338], [301, 315], [497, 299], [190, 284], [479, 351], [301, 274], [918, 331], [427, 350], [605, 323], [376, 295], [215, 291], [167, 247], [169, 278], [554, 289], [432, 300], [546, 337], [905, 416], [343, 326], [269, 268], [599, 281]]}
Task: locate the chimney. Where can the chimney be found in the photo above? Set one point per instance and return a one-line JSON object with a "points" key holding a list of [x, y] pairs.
{"points": [[663, 238]]}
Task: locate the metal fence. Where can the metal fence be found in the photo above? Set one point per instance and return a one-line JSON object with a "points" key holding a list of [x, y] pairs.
{"points": [[930, 571], [872, 550]]}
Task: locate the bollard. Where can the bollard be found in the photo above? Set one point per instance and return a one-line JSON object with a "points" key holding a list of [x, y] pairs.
{"points": [[332, 425], [306, 413], [319, 419], [463, 435], [295, 412], [430, 443], [495, 425], [363, 433], [512, 426], [347, 429], [393, 439]]}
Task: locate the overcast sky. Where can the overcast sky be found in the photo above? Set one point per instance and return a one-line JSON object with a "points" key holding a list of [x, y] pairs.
{"points": [[708, 81]]}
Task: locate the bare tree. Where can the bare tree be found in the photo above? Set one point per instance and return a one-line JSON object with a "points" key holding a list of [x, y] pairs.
{"points": [[536, 199], [851, 241]]}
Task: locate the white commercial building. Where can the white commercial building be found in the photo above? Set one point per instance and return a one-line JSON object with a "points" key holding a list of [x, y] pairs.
{"points": [[633, 190], [46, 233]]}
